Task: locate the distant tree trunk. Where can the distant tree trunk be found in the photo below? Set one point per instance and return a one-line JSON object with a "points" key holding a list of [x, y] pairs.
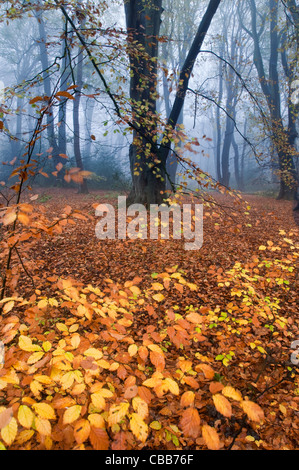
{"points": [[47, 86], [270, 88], [90, 105], [238, 165], [76, 122], [218, 125], [64, 83]]}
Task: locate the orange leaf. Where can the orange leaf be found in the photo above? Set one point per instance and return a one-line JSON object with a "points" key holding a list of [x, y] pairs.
{"points": [[81, 430], [207, 370], [210, 437], [36, 99], [222, 405], [9, 218], [157, 360], [190, 423], [187, 399], [43, 426], [253, 410], [99, 438], [5, 417], [232, 393], [65, 94]]}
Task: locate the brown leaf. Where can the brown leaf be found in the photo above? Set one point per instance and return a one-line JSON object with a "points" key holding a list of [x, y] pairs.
{"points": [[157, 360], [120, 442], [5, 417]]}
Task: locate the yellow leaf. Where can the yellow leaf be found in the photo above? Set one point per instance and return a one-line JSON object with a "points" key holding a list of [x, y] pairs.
{"points": [[132, 349], [253, 410], [135, 290], [138, 427], [117, 413], [35, 387], [67, 380], [192, 286], [71, 414], [172, 386], [8, 306], [222, 405], [73, 328], [155, 425], [43, 426], [106, 393], [96, 420], [93, 352], [140, 406], [25, 344], [53, 302], [156, 348], [98, 400], [25, 416], [24, 436], [33, 358], [9, 432], [232, 393], [44, 410], [158, 297], [61, 327], [46, 346], [75, 340], [43, 379], [82, 311], [42, 303], [210, 437], [157, 286], [282, 409], [104, 364]]}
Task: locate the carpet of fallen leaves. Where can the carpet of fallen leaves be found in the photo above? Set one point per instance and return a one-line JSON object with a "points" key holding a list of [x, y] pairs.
{"points": [[140, 344]]}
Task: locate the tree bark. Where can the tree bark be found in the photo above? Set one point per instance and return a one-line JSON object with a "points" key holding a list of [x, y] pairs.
{"points": [[148, 167], [270, 88]]}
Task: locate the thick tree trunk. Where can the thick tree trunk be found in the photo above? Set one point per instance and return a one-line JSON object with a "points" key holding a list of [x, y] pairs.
{"points": [[148, 162], [143, 25], [270, 88]]}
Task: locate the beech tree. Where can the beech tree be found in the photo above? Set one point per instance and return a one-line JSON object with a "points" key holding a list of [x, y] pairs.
{"points": [[148, 155], [270, 86]]}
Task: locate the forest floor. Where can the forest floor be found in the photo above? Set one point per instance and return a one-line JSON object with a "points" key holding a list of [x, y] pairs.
{"points": [[243, 282]]}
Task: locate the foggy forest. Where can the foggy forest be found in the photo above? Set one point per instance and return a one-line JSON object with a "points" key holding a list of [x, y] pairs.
{"points": [[149, 221]]}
